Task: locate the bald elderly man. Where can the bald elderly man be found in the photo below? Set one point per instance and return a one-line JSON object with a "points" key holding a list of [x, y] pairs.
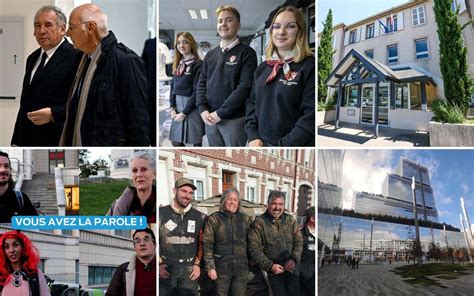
{"points": [[107, 105]]}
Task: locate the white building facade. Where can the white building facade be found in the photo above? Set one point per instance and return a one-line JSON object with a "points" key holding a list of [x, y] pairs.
{"points": [[387, 66]]}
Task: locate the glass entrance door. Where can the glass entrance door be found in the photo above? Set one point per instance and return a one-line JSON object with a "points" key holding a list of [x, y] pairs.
{"points": [[367, 114], [383, 104]]}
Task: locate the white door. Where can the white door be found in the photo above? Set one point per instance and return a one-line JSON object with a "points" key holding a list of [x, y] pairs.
{"points": [[12, 57]]}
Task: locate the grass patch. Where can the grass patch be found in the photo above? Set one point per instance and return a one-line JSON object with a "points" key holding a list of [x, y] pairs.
{"points": [[419, 275], [95, 198]]}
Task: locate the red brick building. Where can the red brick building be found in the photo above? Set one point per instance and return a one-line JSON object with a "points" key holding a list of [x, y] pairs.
{"points": [[253, 172]]}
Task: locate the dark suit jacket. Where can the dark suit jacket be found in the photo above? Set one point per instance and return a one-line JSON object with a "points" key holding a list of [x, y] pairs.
{"points": [[49, 88]]}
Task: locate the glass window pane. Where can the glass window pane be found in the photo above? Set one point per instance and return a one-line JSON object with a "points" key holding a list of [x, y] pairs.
{"points": [[421, 46], [415, 97]]}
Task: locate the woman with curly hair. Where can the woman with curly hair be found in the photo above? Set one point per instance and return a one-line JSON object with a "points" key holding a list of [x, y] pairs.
{"points": [[19, 273]]}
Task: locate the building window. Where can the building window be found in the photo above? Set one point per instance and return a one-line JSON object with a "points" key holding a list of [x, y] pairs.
{"points": [[415, 96], [351, 96], [369, 53], [401, 96], [392, 24], [353, 36], [251, 194], [369, 31], [99, 275], [56, 159], [288, 154], [307, 158], [421, 47], [199, 192], [418, 16], [392, 54]]}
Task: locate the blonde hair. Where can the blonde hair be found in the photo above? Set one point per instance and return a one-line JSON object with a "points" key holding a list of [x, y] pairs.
{"points": [[229, 8], [301, 47], [177, 55]]}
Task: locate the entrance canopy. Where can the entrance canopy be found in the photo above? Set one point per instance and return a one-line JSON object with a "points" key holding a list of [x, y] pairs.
{"points": [[356, 68]]}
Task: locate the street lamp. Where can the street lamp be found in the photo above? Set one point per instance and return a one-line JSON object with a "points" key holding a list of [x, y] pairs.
{"points": [[465, 238]]}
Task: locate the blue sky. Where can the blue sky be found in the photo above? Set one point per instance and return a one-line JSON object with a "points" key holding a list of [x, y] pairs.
{"points": [[451, 172], [350, 11]]}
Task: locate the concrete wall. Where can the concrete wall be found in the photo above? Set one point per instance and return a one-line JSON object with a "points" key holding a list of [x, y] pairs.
{"points": [[101, 249], [349, 118], [409, 119], [326, 116], [451, 135]]}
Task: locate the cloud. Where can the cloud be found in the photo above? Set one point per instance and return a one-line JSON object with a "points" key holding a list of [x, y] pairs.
{"points": [[465, 188], [364, 170], [446, 200], [444, 214]]}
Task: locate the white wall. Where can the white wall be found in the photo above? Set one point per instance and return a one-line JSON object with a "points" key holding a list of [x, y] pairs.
{"points": [[128, 19], [409, 119]]}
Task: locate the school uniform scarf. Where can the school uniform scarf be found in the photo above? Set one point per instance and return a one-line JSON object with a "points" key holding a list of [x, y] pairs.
{"points": [[183, 64], [277, 63]]}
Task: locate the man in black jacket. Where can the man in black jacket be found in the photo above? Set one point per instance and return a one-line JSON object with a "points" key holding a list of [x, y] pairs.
{"points": [[107, 105], [48, 77], [11, 202]]}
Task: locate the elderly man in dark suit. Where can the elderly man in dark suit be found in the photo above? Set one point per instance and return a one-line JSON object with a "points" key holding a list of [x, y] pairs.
{"points": [[49, 74]]}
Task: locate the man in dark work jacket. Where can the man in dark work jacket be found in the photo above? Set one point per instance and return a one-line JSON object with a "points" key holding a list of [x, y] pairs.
{"points": [[225, 83], [46, 84]]}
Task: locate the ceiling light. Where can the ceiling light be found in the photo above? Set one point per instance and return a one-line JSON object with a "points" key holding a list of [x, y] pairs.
{"points": [[193, 13], [203, 14]]}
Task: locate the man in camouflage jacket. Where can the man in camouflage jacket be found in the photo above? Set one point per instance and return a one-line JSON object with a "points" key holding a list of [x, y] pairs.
{"points": [[275, 243], [225, 246]]}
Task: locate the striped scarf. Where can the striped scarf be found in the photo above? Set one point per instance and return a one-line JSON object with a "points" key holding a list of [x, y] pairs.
{"points": [[183, 64], [276, 63]]}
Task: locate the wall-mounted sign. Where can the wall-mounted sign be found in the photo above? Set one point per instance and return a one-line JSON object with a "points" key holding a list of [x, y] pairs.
{"points": [[351, 112]]}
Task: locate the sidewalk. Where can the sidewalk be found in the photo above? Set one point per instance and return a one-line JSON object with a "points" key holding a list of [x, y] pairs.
{"points": [[379, 280], [356, 135]]}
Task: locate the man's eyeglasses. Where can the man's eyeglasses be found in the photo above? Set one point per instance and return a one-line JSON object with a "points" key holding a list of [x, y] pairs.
{"points": [[73, 27], [290, 27], [139, 241]]}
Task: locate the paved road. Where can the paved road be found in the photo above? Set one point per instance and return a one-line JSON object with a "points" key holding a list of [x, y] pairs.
{"points": [[352, 135], [379, 280]]}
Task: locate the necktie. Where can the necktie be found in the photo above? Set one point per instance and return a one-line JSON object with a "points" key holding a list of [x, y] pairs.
{"points": [[44, 56]]}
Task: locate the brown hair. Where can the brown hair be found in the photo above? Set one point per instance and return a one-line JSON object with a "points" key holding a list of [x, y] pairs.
{"points": [[301, 48], [230, 8], [177, 55]]}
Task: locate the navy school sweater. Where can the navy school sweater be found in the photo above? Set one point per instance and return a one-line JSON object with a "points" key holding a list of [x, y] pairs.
{"points": [[226, 80], [282, 113], [186, 85]]}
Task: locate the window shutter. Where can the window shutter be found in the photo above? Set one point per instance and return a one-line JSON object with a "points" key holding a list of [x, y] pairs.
{"points": [[400, 21], [362, 32], [346, 37]]}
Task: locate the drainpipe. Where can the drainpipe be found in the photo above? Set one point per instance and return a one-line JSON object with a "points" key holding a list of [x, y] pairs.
{"points": [[60, 195]]}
